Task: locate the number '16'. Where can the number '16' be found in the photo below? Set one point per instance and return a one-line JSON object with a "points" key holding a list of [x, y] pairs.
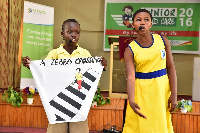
{"points": [[189, 13]]}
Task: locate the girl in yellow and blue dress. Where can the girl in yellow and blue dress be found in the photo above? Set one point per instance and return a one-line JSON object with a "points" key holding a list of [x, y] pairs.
{"points": [[151, 79]]}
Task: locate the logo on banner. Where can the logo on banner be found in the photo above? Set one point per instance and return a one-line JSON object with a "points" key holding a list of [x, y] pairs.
{"points": [[126, 18], [161, 16], [30, 10]]}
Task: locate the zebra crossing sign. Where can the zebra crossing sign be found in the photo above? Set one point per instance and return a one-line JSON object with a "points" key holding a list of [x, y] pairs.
{"points": [[67, 86]]}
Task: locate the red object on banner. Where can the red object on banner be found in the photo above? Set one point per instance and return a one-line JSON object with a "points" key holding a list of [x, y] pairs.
{"points": [[123, 43]]}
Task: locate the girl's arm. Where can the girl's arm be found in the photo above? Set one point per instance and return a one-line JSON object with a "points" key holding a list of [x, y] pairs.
{"points": [[130, 77], [172, 75]]}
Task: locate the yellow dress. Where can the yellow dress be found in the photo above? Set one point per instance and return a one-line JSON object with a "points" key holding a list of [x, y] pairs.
{"points": [[79, 76], [152, 90]]}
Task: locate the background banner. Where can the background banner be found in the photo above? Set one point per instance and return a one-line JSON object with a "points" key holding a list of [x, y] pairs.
{"points": [[179, 21], [37, 36]]}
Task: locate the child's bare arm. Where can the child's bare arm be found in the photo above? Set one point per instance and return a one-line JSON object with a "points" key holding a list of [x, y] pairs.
{"points": [[172, 75], [130, 74]]}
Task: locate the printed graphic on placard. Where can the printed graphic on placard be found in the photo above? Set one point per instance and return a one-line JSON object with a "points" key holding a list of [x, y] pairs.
{"points": [[79, 77], [68, 102], [67, 86]]}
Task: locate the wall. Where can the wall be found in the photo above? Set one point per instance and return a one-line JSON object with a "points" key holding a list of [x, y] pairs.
{"points": [[184, 69], [90, 14]]}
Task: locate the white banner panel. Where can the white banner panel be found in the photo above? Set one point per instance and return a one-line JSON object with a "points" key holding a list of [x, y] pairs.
{"points": [[37, 36], [38, 14]]}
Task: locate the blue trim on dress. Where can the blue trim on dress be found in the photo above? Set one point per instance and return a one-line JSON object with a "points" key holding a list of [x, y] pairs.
{"points": [[131, 49], [162, 39], [150, 75], [146, 47]]}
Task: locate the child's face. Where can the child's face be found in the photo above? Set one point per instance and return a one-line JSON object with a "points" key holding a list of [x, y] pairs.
{"points": [[127, 11], [142, 19], [71, 32]]}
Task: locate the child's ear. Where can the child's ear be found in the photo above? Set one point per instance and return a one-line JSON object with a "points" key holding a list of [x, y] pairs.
{"points": [[151, 24], [62, 34]]}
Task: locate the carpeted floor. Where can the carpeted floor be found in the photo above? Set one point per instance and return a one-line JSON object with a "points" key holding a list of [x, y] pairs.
{"points": [[26, 130], [22, 130]]}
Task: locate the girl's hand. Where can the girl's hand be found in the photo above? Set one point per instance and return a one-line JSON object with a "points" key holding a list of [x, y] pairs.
{"points": [[103, 62], [136, 109], [25, 61], [173, 101]]}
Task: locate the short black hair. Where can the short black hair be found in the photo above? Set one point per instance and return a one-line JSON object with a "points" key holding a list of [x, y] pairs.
{"points": [[141, 10], [69, 20]]}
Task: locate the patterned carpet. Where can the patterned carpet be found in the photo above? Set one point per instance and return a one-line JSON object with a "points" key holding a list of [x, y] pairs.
{"points": [[21, 130], [26, 130]]}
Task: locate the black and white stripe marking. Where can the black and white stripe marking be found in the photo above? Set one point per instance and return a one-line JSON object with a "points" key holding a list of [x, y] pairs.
{"points": [[68, 102]]}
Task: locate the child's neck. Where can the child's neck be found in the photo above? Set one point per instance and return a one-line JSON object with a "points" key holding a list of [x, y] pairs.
{"points": [[145, 40], [144, 37], [70, 48]]}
